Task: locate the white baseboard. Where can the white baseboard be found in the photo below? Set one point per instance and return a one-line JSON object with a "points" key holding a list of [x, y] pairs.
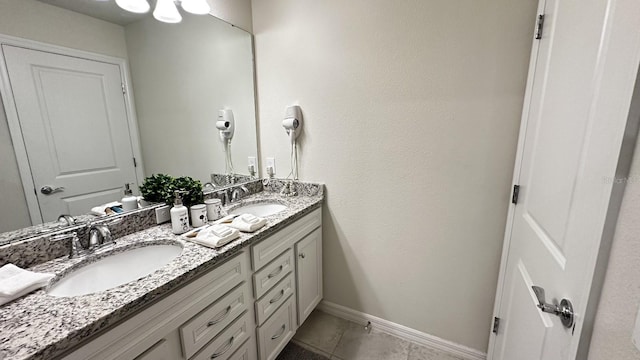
{"points": [[402, 331]]}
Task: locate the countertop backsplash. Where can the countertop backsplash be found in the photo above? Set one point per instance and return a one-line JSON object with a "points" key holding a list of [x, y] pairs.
{"points": [[39, 249]]}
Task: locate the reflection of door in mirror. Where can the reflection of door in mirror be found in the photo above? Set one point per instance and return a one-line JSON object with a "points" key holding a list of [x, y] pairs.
{"points": [[180, 75], [73, 121]]}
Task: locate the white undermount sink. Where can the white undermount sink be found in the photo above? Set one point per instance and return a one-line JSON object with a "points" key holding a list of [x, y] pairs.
{"points": [[115, 270], [259, 209]]}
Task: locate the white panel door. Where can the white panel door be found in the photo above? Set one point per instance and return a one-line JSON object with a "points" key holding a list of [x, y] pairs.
{"points": [[574, 121], [74, 124]]}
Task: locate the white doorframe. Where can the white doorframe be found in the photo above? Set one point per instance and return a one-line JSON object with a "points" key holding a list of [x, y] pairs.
{"points": [[14, 122], [611, 69]]}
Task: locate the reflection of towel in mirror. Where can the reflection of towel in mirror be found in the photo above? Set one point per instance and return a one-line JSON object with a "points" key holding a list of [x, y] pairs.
{"points": [[16, 282], [215, 236], [248, 223], [101, 209]]}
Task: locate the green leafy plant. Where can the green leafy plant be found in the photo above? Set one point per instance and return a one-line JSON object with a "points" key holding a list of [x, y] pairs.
{"points": [[161, 188], [158, 188], [193, 189]]}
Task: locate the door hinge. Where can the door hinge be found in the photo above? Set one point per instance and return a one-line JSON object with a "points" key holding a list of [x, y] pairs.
{"points": [[135, 163], [516, 193], [539, 26], [124, 89], [496, 325]]}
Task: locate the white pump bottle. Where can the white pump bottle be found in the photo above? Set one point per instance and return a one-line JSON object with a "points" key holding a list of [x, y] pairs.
{"points": [[179, 215]]}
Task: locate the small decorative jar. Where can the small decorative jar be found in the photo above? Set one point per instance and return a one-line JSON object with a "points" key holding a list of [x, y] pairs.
{"points": [[199, 215], [214, 209]]}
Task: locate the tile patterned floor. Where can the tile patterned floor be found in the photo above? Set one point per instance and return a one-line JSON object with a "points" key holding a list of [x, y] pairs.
{"points": [[340, 339]]}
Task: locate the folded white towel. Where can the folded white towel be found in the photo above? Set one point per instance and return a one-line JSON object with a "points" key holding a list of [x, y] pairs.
{"points": [[16, 282], [248, 223], [101, 210], [215, 236]]}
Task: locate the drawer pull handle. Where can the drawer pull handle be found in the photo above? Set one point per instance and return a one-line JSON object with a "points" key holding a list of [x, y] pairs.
{"points": [[226, 348], [282, 329], [221, 317], [277, 297], [276, 272]]}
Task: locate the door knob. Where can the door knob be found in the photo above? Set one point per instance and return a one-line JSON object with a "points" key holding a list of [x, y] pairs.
{"points": [[48, 190], [564, 310]]}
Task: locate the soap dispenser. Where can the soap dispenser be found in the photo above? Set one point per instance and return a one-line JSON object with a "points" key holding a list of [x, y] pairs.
{"points": [[179, 215], [129, 202]]}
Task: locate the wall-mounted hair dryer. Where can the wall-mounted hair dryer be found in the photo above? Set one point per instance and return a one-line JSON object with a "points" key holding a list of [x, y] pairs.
{"points": [[226, 124], [292, 122]]}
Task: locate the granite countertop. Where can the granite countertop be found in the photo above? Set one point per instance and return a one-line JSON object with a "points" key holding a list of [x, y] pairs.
{"points": [[40, 326]]}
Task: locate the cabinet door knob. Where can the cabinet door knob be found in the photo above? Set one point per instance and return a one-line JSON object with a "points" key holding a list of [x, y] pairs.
{"points": [[302, 255]]}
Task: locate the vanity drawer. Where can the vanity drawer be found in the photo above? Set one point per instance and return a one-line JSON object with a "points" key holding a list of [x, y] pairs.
{"points": [[274, 298], [223, 346], [207, 324], [247, 351], [274, 334], [264, 279], [265, 251]]}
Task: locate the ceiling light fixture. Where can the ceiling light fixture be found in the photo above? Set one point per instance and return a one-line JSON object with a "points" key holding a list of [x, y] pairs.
{"points": [[134, 6], [166, 11], [197, 7]]}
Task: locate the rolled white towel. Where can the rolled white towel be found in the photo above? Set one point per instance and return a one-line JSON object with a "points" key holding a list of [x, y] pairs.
{"points": [[215, 236], [248, 223], [16, 282]]}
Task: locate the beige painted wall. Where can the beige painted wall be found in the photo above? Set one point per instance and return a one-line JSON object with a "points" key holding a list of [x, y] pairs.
{"points": [[182, 75], [34, 20], [15, 214], [411, 113], [620, 297], [236, 12], [38, 21]]}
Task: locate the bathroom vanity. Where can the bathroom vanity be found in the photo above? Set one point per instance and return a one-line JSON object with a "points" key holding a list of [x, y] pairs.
{"points": [[242, 301]]}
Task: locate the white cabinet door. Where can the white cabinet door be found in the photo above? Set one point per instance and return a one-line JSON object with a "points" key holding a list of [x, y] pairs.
{"points": [[309, 273]]}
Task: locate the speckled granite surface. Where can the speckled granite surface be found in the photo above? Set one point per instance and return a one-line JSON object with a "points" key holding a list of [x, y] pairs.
{"points": [[40, 326], [39, 249], [54, 227], [254, 186], [226, 180], [41, 229]]}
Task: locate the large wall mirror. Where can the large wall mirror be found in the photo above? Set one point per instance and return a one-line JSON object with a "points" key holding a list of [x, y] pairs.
{"points": [[68, 125]]}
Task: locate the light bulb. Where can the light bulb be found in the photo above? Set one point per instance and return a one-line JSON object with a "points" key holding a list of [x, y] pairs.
{"points": [[134, 6], [166, 11], [196, 7]]}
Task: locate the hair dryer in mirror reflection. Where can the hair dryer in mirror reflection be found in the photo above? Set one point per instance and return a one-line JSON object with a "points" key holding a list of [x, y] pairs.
{"points": [[226, 126]]}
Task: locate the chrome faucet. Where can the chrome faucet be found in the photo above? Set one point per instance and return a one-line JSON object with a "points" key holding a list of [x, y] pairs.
{"points": [[75, 248], [99, 235], [68, 219], [223, 195], [239, 193], [209, 186]]}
